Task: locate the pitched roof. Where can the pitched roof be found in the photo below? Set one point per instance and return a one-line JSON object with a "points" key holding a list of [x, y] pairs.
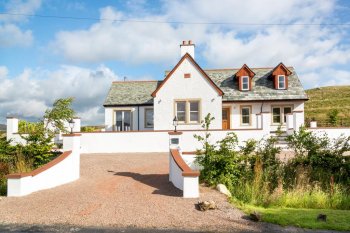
{"points": [[139, 92], [190, 58], [131, 93]]}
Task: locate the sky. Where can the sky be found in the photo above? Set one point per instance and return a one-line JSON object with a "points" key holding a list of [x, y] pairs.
{"points": [[52, 49]]}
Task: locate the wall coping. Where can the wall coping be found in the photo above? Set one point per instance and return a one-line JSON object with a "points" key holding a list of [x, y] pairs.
{"points": [[169, 131], [72, 135], [174, 133], [186, 170], [40, 169]]}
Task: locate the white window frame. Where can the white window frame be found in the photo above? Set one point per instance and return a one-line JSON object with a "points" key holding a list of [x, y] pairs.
{"points": [[250, 115], [188, 110], [145, 119], [284, 82], [282, 114], [242, 83]]}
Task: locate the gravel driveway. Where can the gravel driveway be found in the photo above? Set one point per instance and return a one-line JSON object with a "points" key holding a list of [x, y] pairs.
{"points": [[123, 191]]}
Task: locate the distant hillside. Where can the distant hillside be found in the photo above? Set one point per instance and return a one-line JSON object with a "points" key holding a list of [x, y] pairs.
{"points": [[2, 127], [322, 100]]}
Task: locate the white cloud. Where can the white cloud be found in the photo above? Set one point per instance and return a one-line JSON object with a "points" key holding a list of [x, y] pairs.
{"points": [[10, 32], [33, 91], [11, 35], [123, 41]]}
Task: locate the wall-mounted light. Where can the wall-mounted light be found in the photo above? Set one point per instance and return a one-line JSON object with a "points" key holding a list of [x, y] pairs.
{"points": [[175, 122]]}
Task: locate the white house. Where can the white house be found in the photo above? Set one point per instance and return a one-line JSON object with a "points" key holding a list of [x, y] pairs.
{"points": [[235, 97]]}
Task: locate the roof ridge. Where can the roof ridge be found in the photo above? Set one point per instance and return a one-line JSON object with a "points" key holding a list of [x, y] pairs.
{"points": [[136, 81], [239, 68]]}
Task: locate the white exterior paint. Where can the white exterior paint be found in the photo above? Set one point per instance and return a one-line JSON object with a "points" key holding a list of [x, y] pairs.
{"points": [[66, 171], [188, 184], [179, 88], [154, 141], [333, 133], [12, 126]]}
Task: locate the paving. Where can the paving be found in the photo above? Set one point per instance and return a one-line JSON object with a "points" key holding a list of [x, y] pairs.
{"points": [[127, 192]]}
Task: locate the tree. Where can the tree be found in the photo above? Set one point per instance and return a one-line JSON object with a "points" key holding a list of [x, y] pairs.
{"points": [[333, 117]]}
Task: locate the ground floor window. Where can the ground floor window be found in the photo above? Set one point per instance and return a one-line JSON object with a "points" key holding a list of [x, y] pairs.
{"points": [[279, 114], [187, 111], [123, 120], [245, 115], [149, 118]]}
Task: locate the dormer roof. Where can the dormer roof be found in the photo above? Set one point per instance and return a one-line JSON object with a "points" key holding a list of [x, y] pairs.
{"points": [[245, 71]]}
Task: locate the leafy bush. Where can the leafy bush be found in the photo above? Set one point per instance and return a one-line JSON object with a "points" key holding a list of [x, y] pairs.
{"points": [[317, 177]]}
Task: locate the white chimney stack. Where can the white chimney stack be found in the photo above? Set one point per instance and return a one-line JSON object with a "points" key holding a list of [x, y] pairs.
{"points": [[187, 47]]}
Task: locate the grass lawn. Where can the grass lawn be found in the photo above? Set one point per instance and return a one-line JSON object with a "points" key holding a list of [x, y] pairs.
{"points": [[305, 218]]}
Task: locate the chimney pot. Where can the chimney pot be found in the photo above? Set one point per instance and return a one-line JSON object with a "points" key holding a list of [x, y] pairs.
{"points": [[183, 42], [190, 42]]}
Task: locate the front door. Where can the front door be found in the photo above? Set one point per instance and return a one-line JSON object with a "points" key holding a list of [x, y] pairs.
{"points": [[226, 118]]}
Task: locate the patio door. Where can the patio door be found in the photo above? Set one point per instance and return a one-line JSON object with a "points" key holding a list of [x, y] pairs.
{"points": [[226, 118], [123, 120]]}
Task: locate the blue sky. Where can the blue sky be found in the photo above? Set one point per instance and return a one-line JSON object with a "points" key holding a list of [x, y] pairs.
{"points": [[43, 59]]}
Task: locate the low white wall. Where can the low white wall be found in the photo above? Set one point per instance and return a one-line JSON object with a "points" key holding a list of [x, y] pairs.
{"points": [[333, 133], [188, 183], [153, 141], [57, 173]]}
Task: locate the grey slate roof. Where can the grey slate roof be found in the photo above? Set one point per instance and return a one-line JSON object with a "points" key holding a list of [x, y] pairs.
{"points": [[139, 92], [131, 93]]}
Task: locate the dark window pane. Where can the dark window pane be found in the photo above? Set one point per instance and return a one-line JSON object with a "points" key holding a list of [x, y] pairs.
{"points": [[276, 112], [181, 116], [194, 106], [181, 106], [245, 112], [149, 118], [194, 116]]}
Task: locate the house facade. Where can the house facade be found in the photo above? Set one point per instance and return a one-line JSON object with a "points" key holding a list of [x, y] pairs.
{"points": [[234, 97]]}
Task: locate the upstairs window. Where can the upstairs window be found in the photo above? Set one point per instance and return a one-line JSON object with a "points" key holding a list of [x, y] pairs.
{"points": [[245, 83], [281, 82], [187, 111]]}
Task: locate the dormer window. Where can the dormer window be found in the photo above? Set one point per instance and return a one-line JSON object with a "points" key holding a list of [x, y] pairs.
{"points": [[245, 83], [280, 75], [244, 77], [281, 82]]}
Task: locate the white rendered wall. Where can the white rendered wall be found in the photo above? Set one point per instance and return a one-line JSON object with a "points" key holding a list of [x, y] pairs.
{"points": [[179, 88], [114, 142], [175, 174], [65, 171], [332, 133]]}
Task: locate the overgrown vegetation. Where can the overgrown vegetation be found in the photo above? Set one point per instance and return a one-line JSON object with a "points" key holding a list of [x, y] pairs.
{"points": [[329, 106], [38, 147], [318, 176]]}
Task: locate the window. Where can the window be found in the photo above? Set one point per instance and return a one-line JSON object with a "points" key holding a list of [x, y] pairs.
{"points": [[187, 111], [279, 114], [286, 110], [149, 118], [281, 82], [245, 115], [181, 111], [245, 83], [194, 111], [276, 115], [123, 120]]}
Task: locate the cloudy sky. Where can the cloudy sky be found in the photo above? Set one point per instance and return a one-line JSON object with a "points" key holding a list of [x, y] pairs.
{"points": [[52, 49]]}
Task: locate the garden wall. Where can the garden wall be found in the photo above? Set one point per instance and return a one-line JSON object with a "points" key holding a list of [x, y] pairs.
{"points": [[153, 141], [64, 169]]}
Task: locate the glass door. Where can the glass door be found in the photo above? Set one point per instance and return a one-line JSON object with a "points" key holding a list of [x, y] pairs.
{"points": [[123, 120]]}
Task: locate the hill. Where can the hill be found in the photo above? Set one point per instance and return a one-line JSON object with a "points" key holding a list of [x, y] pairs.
{"points": [[2, 127], [323, 100]]}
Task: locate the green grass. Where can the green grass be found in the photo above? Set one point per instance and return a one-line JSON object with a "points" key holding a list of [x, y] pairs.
{"points": [[305, 218], [324, 99]]}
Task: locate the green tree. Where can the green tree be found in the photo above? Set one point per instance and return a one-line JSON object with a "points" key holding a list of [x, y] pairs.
{"points": [[333, 117]]}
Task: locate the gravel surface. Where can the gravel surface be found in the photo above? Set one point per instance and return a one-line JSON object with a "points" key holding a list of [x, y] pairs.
{"points": [[124, 192]]}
